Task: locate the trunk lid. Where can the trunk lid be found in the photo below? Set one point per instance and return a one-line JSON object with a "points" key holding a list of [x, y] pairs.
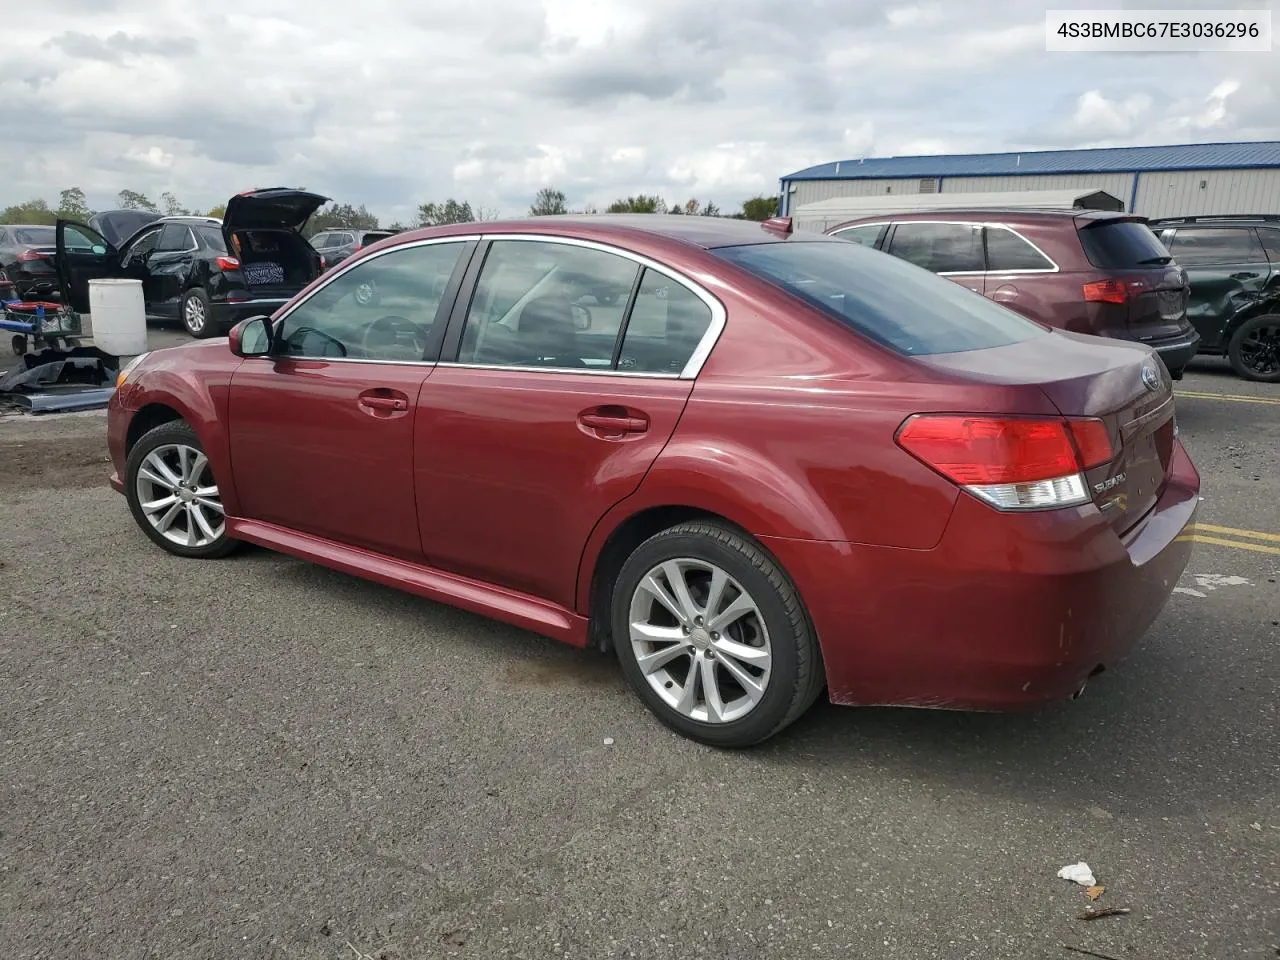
{"points": [[1155, 289], [1124, 385], [274, 208]]}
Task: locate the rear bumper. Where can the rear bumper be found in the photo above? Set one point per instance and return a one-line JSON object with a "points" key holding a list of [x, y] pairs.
{"points": [[1007, 611], [227, 313], [1176, 352]]}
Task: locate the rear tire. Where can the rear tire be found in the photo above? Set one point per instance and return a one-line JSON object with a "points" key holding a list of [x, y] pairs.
{"points": [[194, 312], [173, 494], [1254, 350], [729, 658]]}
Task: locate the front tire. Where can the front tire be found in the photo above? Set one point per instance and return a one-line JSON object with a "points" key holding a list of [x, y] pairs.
{"points": [[195, 314], [173, 495], [712, 636], [1254, 350]]}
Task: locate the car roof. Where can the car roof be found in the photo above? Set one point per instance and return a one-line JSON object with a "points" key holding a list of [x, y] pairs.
{"points": [[1221, 219], [705, 232], [25, 226], [1026, 214]]}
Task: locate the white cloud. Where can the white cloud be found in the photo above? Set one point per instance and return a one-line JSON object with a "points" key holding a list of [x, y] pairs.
{"points": [[392, 104]]}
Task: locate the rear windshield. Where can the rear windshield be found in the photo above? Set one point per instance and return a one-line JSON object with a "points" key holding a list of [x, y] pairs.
{"points": [[36, 235], [895, 303], [1118, 245]]}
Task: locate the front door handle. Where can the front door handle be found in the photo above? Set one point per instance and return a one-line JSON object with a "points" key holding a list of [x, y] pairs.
{"points": [[1243, 276], [612, 424]]}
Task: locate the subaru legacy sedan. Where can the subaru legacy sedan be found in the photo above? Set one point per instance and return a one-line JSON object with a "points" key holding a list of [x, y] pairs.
{"points": [[779, 464]]}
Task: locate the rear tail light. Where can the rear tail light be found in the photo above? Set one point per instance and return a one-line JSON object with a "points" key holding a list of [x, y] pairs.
{"points": [[27, 256], [227, 263], [1106, 291], [1012, 463], [324, 264]]}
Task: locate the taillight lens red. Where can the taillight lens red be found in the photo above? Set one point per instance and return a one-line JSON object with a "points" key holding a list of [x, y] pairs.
{"points": [[1093, 441], [27, 256], [1106, 291], [985, 450], [227, 263]]}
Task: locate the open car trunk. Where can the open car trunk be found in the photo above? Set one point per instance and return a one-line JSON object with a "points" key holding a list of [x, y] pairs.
{"points": [[274, 263]]}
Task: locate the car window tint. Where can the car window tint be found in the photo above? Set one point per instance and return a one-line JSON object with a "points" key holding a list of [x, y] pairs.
{"points": [[137, 251], [1121, 244], [1006, 250], [81, 238], [383, 309], [212, 238], [539, 303], [1216, 245], [320, 240], [665, 327], [174, 237], [1270, 243], [940, 247], [867, 234], [36, 236], [884, 298]]}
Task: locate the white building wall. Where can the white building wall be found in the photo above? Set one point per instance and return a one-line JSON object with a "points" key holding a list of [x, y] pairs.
{"points": [[1196, 193], [1119, 185], [811, 191]]}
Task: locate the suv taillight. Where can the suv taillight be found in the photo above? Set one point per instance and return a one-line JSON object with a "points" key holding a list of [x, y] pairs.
{"points": [[27, 256], [227, 263], [1012, 463], [1106, 291]]}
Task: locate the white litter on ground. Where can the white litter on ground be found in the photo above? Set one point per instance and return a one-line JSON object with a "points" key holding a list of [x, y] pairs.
{"points": [[1078, 873]]}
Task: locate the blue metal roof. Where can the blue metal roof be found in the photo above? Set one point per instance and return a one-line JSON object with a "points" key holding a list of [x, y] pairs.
{"points": [[1185, 156]]}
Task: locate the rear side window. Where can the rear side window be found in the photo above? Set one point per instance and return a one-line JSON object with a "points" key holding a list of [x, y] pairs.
{"points": [[1008, 251], [41, 236], [1216, 245], [868, 234], [666, 325], [883, 298], [940, 247], [1121, 244], [175, 237]]}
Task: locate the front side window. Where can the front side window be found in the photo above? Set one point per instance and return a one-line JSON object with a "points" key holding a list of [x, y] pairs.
{"points": [[544, 304], [1216, 245], [884, 298], [136, 254], [939, 247], [386, 308]]}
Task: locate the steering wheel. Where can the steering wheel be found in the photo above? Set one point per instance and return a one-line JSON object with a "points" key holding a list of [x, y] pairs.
{"points": [[396, 332]]}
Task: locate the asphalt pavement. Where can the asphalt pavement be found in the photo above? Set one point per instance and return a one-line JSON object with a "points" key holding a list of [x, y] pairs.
{"points": [[260, 758]]}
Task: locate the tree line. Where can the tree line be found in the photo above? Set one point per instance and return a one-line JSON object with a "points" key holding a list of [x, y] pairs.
{"points": [[72, 205]]}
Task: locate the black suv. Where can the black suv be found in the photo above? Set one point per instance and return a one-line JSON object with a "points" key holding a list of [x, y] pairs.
{"points": [[1234, 266], [337, 244], [208, 273]]}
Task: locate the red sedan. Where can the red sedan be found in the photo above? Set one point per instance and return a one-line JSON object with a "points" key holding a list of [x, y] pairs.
{"points": [[755, 464]]}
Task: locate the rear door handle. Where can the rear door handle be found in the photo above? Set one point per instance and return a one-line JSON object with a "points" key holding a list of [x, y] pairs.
{"points": [[385, 403], [601, 421], [1243, 276]]}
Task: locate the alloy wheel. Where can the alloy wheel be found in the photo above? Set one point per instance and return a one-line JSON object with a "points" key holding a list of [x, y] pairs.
{"points": [[1260, 350], [178, 496], [700, 640], [193, 314]]}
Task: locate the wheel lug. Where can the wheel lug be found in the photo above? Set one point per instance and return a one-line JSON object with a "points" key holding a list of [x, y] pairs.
{"points": [[685, 628], [715, 636], [698, 621]]}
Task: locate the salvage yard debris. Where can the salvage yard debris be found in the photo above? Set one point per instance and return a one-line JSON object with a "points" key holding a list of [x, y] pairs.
{"points": [[81, 378], [1078, 873], [1094, 913]]}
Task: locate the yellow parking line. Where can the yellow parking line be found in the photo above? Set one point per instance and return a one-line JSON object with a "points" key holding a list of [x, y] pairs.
{"points": [[1217, 541], [1236, 532], [1238, 398]]}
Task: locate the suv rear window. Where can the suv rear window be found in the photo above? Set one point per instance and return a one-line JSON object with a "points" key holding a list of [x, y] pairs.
{"points": [[895, 303], [1121, 244]]}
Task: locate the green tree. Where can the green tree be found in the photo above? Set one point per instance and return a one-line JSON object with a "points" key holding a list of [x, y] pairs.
{"points": [[33, 211], [759, 208], [548, 203], [132, 200], [172, 208], [218, 212], [340, 215], [451, 211], [72, 205], [639, 204]]}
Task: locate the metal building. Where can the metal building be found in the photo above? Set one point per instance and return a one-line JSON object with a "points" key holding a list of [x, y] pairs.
{"points": [[1179, 180]]}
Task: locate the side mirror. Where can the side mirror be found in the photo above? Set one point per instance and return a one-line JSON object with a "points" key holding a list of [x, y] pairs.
{"points": [[251, 337]]}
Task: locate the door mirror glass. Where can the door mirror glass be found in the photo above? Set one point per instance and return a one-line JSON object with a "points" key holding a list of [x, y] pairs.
{"points": [[99, 250], [251, 338]]}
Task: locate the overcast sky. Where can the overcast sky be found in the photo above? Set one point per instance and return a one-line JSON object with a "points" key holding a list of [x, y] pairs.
{"points": [[394, 102]]}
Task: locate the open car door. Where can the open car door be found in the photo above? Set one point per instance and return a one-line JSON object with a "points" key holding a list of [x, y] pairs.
{"points": [[82, 254]]}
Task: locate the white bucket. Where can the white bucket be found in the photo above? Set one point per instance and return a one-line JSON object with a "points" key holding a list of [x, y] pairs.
{"points": [[119, 316]]}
